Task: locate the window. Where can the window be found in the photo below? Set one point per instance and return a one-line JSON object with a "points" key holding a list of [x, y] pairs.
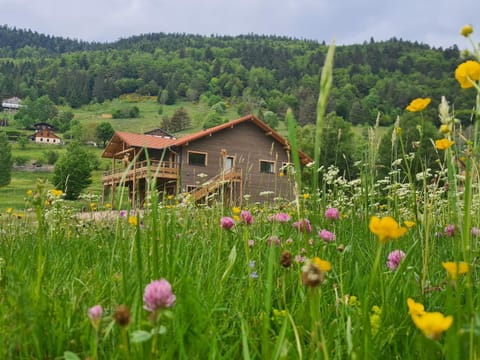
{"points": [[267, 167], [229, 161], [197, 158]]}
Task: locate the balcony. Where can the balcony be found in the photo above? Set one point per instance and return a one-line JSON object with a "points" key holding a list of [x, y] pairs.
{"points": [[142, 170]]}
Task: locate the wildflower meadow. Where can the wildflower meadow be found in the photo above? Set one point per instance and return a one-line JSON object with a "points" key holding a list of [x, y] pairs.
{"points": [[369, 268]]}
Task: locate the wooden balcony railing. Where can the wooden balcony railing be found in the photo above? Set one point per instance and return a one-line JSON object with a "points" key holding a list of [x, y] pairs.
{"points": [[142, 170]]}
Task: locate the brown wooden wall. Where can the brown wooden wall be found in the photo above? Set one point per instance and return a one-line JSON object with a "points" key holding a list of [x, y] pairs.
{"points": [[248, 144]]}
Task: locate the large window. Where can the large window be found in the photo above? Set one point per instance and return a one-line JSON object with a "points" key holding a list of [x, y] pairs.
{"points": [[197, 158], [267, 167]]}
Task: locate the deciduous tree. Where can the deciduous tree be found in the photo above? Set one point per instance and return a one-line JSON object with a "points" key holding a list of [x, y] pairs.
{"points": [[104, 132], [72, 172]]}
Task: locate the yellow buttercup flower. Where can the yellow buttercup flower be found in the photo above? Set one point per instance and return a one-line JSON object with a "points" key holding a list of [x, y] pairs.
{"points": [[444, 128], [18, 215], [29, 192], [56, 193], [132, 220], [443, 144], [409, 224], [454, 269], [432, 324], [418, 104], [414, 308], [323, 265], [306, 196], [467, 73], [9, 210], [466, 30], [236, 210], [386, 228]]}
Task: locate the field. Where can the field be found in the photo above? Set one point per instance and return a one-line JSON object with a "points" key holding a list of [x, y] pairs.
{"points": [[267, 281], [149, 117], [364, 268]]}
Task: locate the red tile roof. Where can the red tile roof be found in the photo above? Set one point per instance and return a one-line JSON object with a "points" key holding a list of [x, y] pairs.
{"points": [[148, 141], [46, 134]]}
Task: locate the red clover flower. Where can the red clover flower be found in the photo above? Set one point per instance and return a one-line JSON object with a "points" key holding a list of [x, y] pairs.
{"points": [[158, 295]]}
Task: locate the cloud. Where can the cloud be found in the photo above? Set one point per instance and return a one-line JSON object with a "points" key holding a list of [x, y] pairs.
{"points": [[348, 21]]}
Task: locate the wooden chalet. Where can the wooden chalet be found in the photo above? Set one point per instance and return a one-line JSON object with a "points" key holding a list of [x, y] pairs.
{"points": [[242, 156]]}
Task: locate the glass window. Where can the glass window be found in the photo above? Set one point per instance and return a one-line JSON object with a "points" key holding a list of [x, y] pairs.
{"points": [[197, 158], [267, 167]]}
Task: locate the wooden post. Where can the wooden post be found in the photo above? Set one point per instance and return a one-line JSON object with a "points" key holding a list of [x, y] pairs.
{"points": [[134, 180], [113, 183]]}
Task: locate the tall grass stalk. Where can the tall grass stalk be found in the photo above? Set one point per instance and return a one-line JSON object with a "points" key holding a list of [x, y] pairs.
{"points": [[325, 86], [292, 138]]}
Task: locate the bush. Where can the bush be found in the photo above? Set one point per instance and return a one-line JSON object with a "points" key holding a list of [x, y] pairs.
{"points": [[126, 113], [21, 160], [51, 156]]}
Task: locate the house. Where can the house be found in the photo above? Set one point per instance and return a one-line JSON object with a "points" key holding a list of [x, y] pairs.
{"points": [[241, 157], [44, 135], [11, 104]]}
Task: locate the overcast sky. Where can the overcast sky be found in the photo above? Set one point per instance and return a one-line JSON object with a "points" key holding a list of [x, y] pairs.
{"points": [[433, 22]]}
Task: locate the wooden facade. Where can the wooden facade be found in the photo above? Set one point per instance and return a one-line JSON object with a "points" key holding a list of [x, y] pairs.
{"points": [[243, 156]]}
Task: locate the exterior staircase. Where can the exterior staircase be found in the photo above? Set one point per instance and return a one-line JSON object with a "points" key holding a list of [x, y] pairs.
{"points": [[212, 185]]}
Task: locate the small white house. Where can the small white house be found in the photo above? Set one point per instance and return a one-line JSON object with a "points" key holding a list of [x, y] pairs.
{"points": [[12, 104], [44, 135]]}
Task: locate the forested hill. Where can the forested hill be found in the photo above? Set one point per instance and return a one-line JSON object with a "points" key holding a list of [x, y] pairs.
{"points": [[13, 40], [255, 73]]}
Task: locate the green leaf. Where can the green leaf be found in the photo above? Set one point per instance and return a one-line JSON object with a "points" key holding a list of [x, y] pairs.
{"points": [[68, 355], [140, 336], [160, 330], [231, 261]]}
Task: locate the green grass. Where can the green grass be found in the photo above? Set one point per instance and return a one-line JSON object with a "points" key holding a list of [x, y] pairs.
{"points": [[56, 266], [149, 117], [34, 151], [14, 194]]}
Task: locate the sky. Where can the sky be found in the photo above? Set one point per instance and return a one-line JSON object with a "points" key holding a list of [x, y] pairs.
{"points": [[433, 22]]}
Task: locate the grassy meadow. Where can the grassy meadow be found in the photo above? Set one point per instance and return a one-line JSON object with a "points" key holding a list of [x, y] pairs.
{"points": [[352, 269], [149, 116]]}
